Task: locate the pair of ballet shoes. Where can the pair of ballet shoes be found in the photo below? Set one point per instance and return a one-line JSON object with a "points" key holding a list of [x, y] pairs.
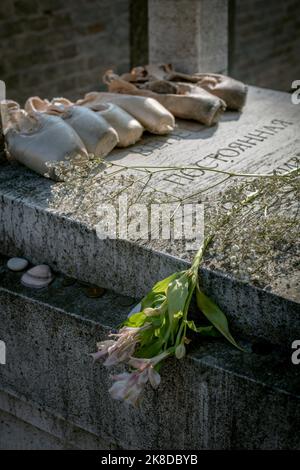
{"points": [[109, 119], [201, 96], [46, 133]]}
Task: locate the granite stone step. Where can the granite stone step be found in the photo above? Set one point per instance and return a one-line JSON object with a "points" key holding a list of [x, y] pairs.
{"points": [[216, 398]]}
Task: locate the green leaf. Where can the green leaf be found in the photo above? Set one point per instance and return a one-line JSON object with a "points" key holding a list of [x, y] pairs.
{"points": [[162, 286], [215, 315], [156, 321], [178, 314], [156, 295], [203, 330], [136, 320], [159, 299], [150, 350], [148, 300], [191, 325], [153, 300], [146, 337], [177, 295], [208, 331]]}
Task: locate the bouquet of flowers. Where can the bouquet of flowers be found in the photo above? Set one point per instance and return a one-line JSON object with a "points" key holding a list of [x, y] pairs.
{"points": [[160, 330]]}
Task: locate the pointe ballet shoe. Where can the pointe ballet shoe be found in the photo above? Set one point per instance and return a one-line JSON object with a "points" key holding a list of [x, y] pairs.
{"points": [[97, 135], [35, 104], [39, 140], [146, 73], [231, 91], [61, 101], [129, 130], [201, 106], [9, 109], [151, 114]]}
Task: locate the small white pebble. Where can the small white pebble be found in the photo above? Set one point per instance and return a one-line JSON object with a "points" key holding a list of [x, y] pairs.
{"points": [[37, 277], [17, 264]]}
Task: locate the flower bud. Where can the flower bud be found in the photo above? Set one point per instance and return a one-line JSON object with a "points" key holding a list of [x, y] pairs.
{"points": [[151, 311], [180, 351]]}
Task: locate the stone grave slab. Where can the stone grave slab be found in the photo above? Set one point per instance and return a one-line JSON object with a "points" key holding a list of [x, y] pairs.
{"points": [[57, 222]]}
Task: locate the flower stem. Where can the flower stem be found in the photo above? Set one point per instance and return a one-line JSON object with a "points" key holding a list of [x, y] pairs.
{"points": [[199, 255]]}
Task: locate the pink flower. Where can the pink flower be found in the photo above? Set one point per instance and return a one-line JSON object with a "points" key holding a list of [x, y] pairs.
{"points": [[145, 366], [121, 349], [129, 386], [103, 348]]}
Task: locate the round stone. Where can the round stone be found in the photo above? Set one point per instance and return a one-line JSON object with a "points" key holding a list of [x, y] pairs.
{"points": [[17, 264], [38, 277]]}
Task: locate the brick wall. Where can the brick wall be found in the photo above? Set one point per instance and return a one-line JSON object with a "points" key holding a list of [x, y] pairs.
{"points": [[265, 42], [61, 47]]}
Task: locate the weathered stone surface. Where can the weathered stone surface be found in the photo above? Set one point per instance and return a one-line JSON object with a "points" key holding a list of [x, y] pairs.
{"points": [[138, 15], [2, 97], [23, 425], [258, 38], [56, 223], [217, 398], [19, 435], [194, 34]]}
